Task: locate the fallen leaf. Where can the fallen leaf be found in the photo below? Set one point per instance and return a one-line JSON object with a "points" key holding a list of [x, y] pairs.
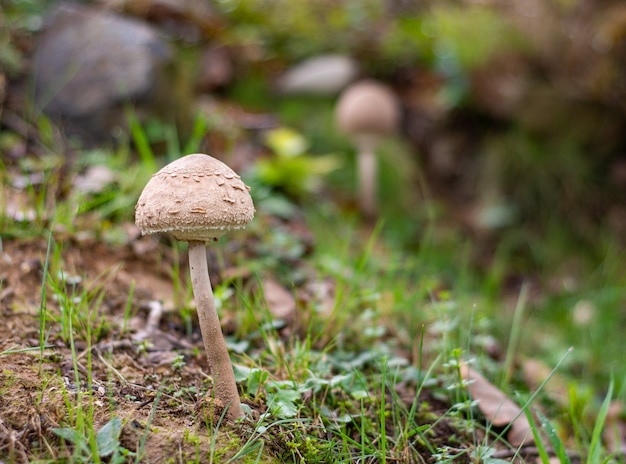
{"points": [[497, 408], [280, 302], [535, 372]]}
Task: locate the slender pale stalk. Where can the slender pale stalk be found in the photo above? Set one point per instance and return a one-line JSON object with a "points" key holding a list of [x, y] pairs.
{"points": [[367, 170], [217, 353]]}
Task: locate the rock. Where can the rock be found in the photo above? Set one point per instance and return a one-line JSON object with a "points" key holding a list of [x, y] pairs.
{"points": [[320, 75], [88, 62]]}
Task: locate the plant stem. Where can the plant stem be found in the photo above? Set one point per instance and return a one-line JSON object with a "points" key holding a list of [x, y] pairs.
{"points": [[217, 353]]}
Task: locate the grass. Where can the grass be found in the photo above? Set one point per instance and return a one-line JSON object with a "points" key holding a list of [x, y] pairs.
{"points": [[346, 359]]}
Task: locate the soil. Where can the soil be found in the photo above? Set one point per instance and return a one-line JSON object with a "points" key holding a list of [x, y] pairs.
{"points": [[134, 373]]}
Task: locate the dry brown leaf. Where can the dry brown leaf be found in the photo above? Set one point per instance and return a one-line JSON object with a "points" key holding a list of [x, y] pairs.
{"points": [[280, 302], [535, 372], [497, 407]]}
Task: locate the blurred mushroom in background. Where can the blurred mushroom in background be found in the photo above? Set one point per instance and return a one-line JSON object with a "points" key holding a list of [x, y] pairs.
{"points": [[366, 112]]}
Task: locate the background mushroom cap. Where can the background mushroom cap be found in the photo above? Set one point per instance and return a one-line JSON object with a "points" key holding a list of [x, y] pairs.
{"points": [[195, 198], [367, 107]]}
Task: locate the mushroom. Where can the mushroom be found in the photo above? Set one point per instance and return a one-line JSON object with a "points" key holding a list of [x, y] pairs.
{"points": [[197, 199], [367, 111]]}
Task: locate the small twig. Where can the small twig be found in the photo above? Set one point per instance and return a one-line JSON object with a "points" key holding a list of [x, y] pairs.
{"points": [[114, 370], [106, 346], [145, 403]]}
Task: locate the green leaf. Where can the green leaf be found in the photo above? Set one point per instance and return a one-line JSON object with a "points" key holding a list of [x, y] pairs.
{"points": [[253, 377], [282, 403], [74, 437], [286, 142], [67, 434], [108, 437], [256, 380]]}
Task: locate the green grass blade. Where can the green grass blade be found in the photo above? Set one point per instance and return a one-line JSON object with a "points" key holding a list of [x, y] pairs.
{"points": [[142, 144], [515, 335], [199, 130], [555, 440], [541, 450], [382, 415], [595, 447], [42, 304]]}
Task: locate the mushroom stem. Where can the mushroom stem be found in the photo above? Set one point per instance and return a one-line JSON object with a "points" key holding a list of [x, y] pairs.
{"points": [[367, 168], [217, 353]]}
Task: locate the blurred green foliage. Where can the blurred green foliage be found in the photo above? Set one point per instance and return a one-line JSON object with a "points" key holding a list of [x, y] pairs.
{"points": [[289, 168], [295, 30], [470, 35], [381, 38]]}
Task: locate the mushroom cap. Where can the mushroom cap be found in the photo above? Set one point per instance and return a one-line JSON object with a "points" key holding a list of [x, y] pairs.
{"points": [[195, 198], [367, 107]]}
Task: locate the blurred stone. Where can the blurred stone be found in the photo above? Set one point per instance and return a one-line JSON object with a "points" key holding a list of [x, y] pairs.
{"points": [[89, 62], [320, 75]]}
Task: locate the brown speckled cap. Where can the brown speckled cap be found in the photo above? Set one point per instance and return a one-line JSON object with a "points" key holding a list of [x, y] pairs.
{"points": [[195, 198]]}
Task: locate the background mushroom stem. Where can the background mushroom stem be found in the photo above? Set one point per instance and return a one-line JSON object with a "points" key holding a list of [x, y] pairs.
{"points": [[214, 343], [367, 166]]}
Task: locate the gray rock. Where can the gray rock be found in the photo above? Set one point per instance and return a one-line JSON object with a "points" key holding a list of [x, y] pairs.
{"points": [[320, 75], [88, 61]]}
